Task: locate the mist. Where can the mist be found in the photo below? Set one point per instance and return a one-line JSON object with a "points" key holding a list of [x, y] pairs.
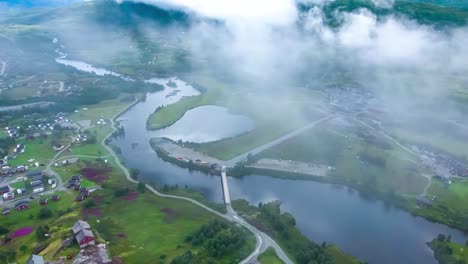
{"points": [[273, 48]]}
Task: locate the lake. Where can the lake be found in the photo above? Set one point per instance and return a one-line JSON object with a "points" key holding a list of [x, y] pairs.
{"points": [[364, 228], [207, 123]]}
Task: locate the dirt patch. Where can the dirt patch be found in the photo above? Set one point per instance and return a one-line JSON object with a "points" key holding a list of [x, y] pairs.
{"points": [[171, 214], [97, 175], [131, 196], [87, 212]]}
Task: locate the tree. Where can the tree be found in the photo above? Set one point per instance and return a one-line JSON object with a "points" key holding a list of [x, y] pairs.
{"points": [[44, 213], [4, 230], [141, 187], [41, 231], [441, 237]]}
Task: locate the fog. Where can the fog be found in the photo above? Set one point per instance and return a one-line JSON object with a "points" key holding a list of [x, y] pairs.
{"points": [[270, 46]]}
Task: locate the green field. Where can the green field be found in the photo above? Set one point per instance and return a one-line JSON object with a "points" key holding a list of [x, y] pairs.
{"points": [[447, 252], [362, 164], [105, 109], [38, 149], [95, 148], [269, 257], [60, 223], [168, 115], [437, 139], [449, 205]]}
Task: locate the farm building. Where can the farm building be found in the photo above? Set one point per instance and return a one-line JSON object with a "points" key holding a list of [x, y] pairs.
{"points": [[4, 189], [35, 259], [21, 205], [83, 234], [6, 211]]}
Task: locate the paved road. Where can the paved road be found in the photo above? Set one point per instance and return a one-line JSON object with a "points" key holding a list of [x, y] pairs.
{"points": [[263, 241], [234, 161]]}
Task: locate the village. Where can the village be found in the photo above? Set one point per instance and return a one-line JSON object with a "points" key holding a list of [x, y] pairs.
{"points": [[27, 180]]}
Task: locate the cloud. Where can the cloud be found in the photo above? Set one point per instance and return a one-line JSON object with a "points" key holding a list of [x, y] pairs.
{"points": [[277, 12]]}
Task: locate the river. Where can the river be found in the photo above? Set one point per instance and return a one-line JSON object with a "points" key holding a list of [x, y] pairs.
{"points": [[364, 228]]}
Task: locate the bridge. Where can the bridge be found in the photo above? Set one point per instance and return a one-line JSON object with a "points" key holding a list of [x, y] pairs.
{"points": [[263, 241], [224, 184]]}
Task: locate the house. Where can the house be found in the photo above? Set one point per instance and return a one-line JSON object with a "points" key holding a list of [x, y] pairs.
{"points": [[72, 183], [4, 189], [6, 211], [79, 197], [8, 196], [83, 234], [35, 259], [34, 173], [76, 187], [76, 178], [38, 189], [43, 201], [423, 201], [36, 183], [85, 193], [38, 177], [21, 205], [55, 197]]}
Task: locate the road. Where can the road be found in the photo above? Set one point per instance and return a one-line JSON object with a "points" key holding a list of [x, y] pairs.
{"points": [[428, 177], [263, 241], [232, 162]]}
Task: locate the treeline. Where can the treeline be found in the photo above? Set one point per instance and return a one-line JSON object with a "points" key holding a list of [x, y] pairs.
{"points": [[217, 240], [444, 251], [282, 227]]}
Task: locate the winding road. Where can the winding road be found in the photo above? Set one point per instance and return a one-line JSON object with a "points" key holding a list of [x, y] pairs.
{"points": [[263, 241]]}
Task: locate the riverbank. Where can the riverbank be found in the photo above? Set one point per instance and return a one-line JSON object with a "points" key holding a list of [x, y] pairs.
{"points": [[448, 252], [282, 226]]}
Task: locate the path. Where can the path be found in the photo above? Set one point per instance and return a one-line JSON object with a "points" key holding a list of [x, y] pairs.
{"points": [[263, 241], [428, 177], [242, 157]]}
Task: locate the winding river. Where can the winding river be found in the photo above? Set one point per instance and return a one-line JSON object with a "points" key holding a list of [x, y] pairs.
{"points": [[364, 228]]}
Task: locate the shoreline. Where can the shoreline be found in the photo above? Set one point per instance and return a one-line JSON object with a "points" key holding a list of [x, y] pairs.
{"points": [[243, 170]]}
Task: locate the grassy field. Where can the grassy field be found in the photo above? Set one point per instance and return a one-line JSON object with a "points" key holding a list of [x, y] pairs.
{"points": [[95, 149], [449, 205], [447, 252], [356, 161], [105, 109], [437, 139], [137, 227], [269, 257], [171, 113], [38, 149], [60, 223]]}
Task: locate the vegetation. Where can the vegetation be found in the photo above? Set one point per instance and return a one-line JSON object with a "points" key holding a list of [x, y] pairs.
{"points": [[447, 252], [282, 227], [269, 257], [216, 240]]}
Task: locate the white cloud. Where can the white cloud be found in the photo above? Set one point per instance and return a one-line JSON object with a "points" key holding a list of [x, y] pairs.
{"points": [[277, 12]]}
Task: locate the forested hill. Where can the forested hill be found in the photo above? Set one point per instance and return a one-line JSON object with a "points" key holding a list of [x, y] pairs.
{"points": [[429, 12]]}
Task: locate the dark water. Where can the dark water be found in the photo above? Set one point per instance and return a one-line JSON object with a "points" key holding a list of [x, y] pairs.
{"points": [[366, 229]]}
